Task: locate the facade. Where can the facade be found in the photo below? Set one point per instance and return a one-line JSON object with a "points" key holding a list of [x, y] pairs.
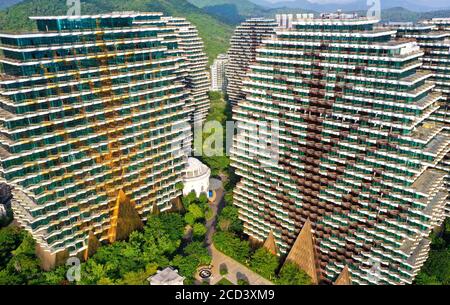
{"points": [[247, 37], [196, 177], [433, 36], [197, 76], [168, 276], [218, 77], [87, 107], [353, 191]]}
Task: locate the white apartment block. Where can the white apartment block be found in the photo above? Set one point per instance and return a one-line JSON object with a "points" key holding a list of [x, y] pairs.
{"points": [[218, 76]]}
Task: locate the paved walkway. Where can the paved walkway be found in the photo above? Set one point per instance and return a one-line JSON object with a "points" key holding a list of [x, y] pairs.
{"points": [[235, 269], [217, 205]]}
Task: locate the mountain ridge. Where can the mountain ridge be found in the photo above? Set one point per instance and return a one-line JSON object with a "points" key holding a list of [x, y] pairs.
{"points": [[235, 13], [8, 3], [355, 5]]}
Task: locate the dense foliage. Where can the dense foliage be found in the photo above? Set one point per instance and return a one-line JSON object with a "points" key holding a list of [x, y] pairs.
{"points": [[197, 213], [436, 270], [219, 112], [290, 274], [7, 3], [236, 11], [10, 239], [232, 11], [232, 246], [131, 262], [215, 33], [228, 219], [244, 7], [19, 264], [264, 263], [194, 255]]}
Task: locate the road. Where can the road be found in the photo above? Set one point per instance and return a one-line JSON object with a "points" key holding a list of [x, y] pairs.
{"points": [[235, 269], [217, 205]]}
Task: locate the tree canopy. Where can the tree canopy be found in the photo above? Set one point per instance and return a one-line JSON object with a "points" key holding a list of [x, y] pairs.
{"points": [[436, 270], [128, 262], [264, 263], [232, 245], [290, 274]]}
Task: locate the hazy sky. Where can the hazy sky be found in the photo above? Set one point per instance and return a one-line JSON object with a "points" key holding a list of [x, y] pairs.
{"points": [[435, 3]]}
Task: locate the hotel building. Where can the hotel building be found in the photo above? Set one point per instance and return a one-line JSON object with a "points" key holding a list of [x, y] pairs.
{"points": [[218, 77], [247, 37], [197, 76], [88, 107], [354, 191], [433, 37]]}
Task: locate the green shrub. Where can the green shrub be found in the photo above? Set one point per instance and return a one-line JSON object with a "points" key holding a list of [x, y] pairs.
{"points": [[228, 220], [199, 231], [264, 263], [231, 245], [187, 200], [290, 274], [209, 214], [223, 269]]}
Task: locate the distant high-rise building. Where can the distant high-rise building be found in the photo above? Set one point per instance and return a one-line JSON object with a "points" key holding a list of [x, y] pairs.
{"points": [[247, 37], [197, 77], [350, 190], [441, 24], [433, 36], [218, 77], [88, 107]]}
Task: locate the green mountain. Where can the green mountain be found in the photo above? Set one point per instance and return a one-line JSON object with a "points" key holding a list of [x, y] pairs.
{"points": [[215, 33], [231, 11], [236, 11], [400, 14], [244, 7], [6, 3]]}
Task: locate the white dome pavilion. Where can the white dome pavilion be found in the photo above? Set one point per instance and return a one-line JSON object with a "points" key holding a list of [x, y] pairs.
{"points": [[196, 177]]}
